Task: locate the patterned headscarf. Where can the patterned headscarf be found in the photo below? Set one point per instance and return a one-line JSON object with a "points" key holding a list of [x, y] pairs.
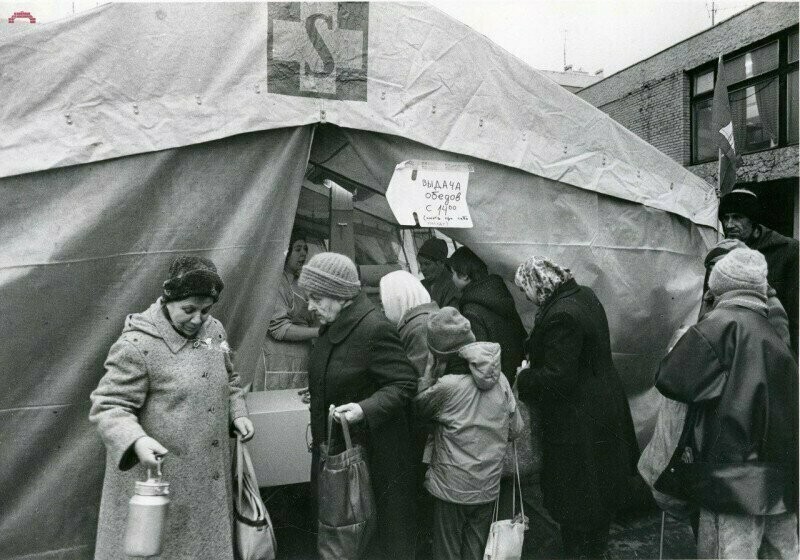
{"points": [[540, 278]]}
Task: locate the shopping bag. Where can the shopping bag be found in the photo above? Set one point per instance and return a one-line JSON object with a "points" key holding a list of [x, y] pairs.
{"points": [[658, 453], [255, 537], [507, 535], [347, 517], [529, 442], [678, 478]]}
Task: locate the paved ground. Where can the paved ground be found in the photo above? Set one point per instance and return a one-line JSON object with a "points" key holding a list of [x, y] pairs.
{"points": [[633, 536]]}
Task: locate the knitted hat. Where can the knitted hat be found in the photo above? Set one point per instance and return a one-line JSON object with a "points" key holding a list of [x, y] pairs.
{"points": [[721, 249], [741, 269], [448, 332], [189, 276], [401, 291], [332, 275], [434, 249], [741, 201]]}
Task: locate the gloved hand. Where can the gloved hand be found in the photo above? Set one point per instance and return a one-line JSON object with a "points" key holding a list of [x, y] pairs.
{"points": [[352, 412]]}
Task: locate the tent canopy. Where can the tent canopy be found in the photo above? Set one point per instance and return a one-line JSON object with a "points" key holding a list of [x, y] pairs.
{"points": [[136, 132]]}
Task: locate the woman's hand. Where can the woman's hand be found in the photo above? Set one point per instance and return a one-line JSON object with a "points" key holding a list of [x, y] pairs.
{"points": [[148, 451], [244, 427], [351, 411], [523, 366]]}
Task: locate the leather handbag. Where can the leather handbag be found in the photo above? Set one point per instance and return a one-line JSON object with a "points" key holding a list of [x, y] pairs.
{"points": [[254, 534], [347, 515], [506, 536]]}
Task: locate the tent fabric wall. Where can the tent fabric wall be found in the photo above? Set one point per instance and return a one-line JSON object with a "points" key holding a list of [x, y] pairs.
{"points": [[135, 131], [619, 248], [150, 76], [81, 247]]}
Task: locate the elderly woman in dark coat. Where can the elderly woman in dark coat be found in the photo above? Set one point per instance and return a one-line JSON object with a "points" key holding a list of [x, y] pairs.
{"points": [[589, 445], [170, 387], [358, 365]]}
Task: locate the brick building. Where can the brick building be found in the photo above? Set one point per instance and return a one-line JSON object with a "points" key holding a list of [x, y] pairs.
{"points": [[666, 100]]}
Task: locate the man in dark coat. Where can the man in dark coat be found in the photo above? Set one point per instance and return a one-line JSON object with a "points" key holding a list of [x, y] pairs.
{"points": [[432, 259], [740, 381], [358, 365], [740, 214], [589, 445], [487, 303]]}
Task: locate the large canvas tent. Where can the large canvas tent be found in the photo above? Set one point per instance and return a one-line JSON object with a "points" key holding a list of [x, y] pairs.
{"points": [[136, 132]]}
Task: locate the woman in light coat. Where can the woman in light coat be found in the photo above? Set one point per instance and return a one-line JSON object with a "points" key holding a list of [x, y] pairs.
{"points": [[170, 392], [287, 344]]}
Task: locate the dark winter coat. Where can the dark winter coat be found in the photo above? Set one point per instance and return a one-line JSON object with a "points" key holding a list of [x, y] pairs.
{"points": [[359, 358], [413, 329], [734, 367], [442, 289], [488, 305], [589, 444], [185, 395], [781, 254]]}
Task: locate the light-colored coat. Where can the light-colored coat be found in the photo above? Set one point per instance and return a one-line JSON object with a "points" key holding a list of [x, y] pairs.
{"points": [[475, 416], [185, 395]]}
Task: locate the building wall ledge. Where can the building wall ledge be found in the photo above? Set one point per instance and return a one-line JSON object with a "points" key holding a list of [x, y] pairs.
{"points": [[780, 163]]}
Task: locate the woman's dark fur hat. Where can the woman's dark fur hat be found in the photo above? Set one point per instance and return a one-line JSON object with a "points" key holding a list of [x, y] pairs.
{"points": [[189, 276]]}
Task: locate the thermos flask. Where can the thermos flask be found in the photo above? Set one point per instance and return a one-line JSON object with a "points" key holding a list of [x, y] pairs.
{"points": [[147, 515]]}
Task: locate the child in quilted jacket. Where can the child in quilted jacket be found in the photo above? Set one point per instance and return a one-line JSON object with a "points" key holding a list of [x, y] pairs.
{"points": [[472, 407]]}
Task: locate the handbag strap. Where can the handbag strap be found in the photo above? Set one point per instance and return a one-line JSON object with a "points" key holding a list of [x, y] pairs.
{"points": [[345, 428], [239, 470], [518, 485]]}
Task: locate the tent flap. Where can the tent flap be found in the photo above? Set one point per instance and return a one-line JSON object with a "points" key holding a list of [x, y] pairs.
{"points": [[80, 248]]}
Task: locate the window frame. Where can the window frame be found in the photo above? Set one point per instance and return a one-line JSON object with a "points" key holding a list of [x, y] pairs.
{"points": [[781, 72]]}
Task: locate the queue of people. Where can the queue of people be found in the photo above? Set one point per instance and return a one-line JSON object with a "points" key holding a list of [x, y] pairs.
{"points": [[427, 385]]}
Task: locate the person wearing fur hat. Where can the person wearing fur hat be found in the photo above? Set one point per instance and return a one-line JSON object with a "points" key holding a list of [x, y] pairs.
{"points": [[170, 391], [740, 213], [740, 380], [432, 260], [291, 330], [407, 304], [358, 365], [489, 306], [470, 401], [589, 444]]}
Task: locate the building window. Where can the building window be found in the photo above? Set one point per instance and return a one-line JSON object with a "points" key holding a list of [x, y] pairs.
{"points": [[762, 91]]}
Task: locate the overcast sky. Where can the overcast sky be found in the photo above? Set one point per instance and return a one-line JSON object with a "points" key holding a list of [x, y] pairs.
{"points": [[607, 34]]}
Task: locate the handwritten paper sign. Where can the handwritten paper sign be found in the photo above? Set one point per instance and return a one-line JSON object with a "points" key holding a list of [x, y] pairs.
{"points": [[430, 194]]}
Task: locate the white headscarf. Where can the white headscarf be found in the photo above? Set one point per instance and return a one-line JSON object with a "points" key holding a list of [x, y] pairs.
{"points": [[401, 291]]}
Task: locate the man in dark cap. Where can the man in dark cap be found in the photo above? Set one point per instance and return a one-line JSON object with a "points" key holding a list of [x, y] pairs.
{"points": [[438, 280], [740, 214]]}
